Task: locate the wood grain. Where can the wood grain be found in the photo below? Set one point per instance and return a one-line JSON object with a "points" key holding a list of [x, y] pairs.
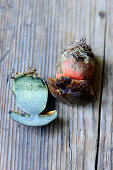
{"points": [[105, 157], [32, 35]]}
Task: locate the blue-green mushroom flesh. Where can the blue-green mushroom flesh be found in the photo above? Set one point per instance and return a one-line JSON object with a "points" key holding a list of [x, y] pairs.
{"points": [[31, 94]]}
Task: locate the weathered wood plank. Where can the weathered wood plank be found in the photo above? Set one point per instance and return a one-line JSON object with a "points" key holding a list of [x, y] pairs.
{"points": [[32, 34], [105, 157]]}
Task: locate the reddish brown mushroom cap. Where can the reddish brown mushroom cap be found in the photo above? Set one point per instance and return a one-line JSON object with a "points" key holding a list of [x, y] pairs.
{"points": [[76, 61]]}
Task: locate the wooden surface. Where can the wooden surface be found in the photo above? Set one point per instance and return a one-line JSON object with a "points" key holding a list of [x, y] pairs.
{"points": [[32, 35]]}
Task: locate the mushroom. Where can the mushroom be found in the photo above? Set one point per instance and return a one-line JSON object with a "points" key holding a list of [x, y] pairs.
{"points": [[74, 74], [31, 94]]}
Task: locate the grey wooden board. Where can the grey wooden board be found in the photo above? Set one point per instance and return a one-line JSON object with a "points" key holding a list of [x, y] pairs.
{"points": [[105, 157], [32, 35]]}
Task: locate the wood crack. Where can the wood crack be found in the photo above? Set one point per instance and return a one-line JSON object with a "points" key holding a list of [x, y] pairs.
{"points": [[5, 55], [103, 68], [70, 160]]}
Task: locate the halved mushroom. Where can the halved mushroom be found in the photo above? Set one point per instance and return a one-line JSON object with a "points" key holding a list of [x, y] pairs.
{"points": [[31, 94]]}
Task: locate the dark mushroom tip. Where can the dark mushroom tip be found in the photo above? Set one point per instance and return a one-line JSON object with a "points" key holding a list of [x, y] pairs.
{"points": [[71, 91]]}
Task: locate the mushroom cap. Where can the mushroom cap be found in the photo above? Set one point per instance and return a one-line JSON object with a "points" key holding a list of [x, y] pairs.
{"points": [[76, 61]]}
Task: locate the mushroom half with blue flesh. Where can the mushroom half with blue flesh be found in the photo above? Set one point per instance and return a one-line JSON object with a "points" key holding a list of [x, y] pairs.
{"points": [[31, 94]]}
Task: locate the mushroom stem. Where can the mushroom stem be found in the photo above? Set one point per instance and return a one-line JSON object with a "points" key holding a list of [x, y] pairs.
{"points": [[30, 120]]}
